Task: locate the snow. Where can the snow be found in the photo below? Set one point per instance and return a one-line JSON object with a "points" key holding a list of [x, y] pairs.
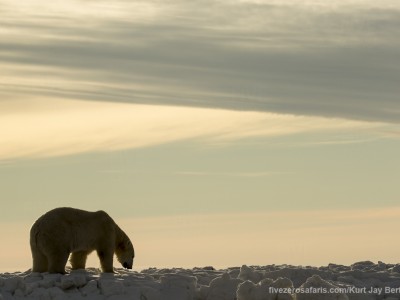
{"points": [[363, 280]]}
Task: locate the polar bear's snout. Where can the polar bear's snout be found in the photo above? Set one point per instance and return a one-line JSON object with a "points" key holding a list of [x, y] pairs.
{"points": [[127, 265]]}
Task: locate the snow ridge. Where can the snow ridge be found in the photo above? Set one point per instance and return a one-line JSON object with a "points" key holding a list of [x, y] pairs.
{"points": [[360, 281]]}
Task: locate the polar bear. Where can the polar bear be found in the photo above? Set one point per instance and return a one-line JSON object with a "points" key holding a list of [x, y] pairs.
{"points": [[66, 230]]}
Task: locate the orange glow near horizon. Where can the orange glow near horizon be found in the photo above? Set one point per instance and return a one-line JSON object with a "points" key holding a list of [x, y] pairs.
{"points": [[227, 240]]}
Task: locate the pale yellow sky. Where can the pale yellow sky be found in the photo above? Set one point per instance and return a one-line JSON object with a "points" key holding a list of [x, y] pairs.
{"points": [[244, 211]]}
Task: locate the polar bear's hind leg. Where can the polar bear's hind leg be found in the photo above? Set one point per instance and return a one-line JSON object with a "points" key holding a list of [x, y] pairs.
{"points": [[58, 261], [40, 263]]}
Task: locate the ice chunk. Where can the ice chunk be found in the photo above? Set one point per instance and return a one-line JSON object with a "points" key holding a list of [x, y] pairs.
{"points": [[50, 280], [19, 293], [266, 289], [148, 293], [315, 288], [90, 288], [110, 287], [33, 277], [396, 268], [247, 273], [121, 297], [40, 293], [72, 280], [57, 294], [298, 275], [223, 288], [177, 286], [363, 265], [12, 283], [5, 296]]}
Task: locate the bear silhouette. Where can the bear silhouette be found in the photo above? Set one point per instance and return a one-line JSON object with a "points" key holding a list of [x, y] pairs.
{"points": [[64, 231]]}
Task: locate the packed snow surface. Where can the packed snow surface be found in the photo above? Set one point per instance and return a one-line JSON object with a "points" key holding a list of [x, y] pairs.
{"points": [[360, 281]]}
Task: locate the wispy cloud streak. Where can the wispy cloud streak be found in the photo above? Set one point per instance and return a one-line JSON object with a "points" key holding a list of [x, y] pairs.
{"points": [[296, 57], [231, 174], [43, 128]]}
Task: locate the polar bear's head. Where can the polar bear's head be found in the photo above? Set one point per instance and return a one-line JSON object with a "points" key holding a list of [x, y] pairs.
{"points": [[125, 253]]}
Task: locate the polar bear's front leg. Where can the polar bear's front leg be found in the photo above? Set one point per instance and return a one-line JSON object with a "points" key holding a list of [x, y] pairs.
{"points": [[106, 260], [78, 259]]}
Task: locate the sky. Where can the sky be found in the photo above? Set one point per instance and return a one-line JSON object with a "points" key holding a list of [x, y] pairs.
{"points": [[214, 132]]}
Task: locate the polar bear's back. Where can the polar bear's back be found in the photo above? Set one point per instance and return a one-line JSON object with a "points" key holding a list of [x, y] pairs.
{"points": [[71, 227], [74, 217]]}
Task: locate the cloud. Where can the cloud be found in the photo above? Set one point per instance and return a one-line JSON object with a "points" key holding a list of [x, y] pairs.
{"points": [[293, 57], [43, 128], [230, 174]]}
